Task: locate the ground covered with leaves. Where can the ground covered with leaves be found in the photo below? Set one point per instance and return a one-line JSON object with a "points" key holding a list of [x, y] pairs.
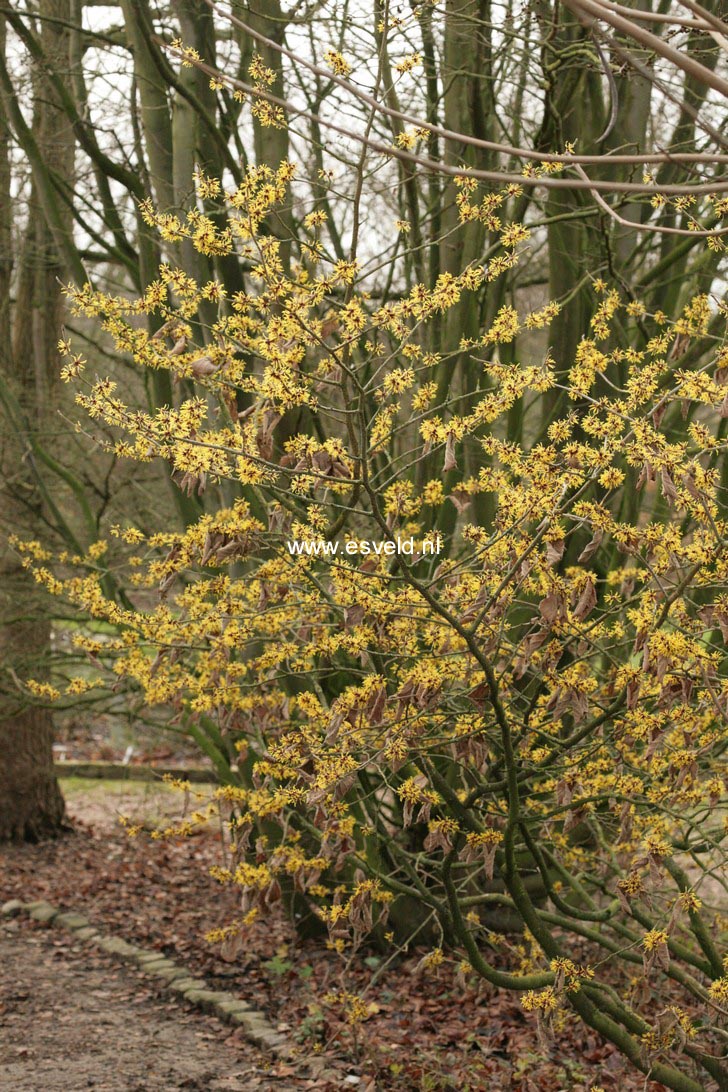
{"points": [[422, 1028], [72, 1019]]}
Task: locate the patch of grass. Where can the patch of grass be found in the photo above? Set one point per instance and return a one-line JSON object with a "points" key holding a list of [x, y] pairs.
{"points": [[154, 804]]}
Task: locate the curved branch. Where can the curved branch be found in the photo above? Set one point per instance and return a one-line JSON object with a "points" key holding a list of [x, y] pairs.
{"points": [[465, 138], [502, 177]]}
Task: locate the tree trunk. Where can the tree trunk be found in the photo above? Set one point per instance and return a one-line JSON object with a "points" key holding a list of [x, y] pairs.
{"points": [[31, 805]]}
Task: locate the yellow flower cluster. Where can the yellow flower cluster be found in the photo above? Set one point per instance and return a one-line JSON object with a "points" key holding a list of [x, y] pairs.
{"points": [[543, 697]]}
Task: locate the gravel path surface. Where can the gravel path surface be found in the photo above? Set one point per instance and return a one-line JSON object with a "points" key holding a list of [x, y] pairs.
{"points": [[72, 1020]]}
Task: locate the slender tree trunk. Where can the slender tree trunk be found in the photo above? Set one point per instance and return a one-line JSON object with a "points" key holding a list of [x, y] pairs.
{"points": [[31, 805]]}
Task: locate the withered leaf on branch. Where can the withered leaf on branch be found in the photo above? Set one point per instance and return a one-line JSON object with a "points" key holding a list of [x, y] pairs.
{"points": [[190, 482], [479, 695], [322, 461], [231, 948], [179, 347], [647, 474], [264, 435], [591, 547], [528, 647], [353, 615], [210, 546], [625, 823], [669, 491], [203, 366], [688, 480], [574, 817], [476, 607], [679, 346], [555, 550], [460, 498], [408, 807], [553, 608], [437, 839], [713, 615], [587, 601], [376, 705], [658, 956], [633, 691], [658, 413], [485, 853], [278, 519]]}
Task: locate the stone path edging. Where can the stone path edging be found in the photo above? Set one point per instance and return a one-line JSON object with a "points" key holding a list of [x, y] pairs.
{"points": [[174, 979]]}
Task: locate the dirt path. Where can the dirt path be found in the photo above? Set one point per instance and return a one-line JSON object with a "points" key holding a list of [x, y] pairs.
{"points": [[71, 1020]]}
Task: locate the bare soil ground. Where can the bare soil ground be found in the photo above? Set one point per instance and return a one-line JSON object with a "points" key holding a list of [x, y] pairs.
{"points": [[71, 1020]]}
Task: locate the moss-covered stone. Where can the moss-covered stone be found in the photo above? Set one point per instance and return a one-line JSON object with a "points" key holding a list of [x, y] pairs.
{"points": [[144, 957], [44, 912], [171, 973], [73, 921], [182, 985], [11, 908], [87, 933], [117, 947], [230, 1007], [203, 998], [267, 1038]]}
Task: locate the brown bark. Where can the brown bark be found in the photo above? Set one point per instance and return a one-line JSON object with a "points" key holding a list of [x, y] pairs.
{"points": [[31, 805]]}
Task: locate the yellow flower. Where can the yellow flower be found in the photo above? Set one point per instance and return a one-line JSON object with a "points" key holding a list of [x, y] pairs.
{"points": [[337, 63]]}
